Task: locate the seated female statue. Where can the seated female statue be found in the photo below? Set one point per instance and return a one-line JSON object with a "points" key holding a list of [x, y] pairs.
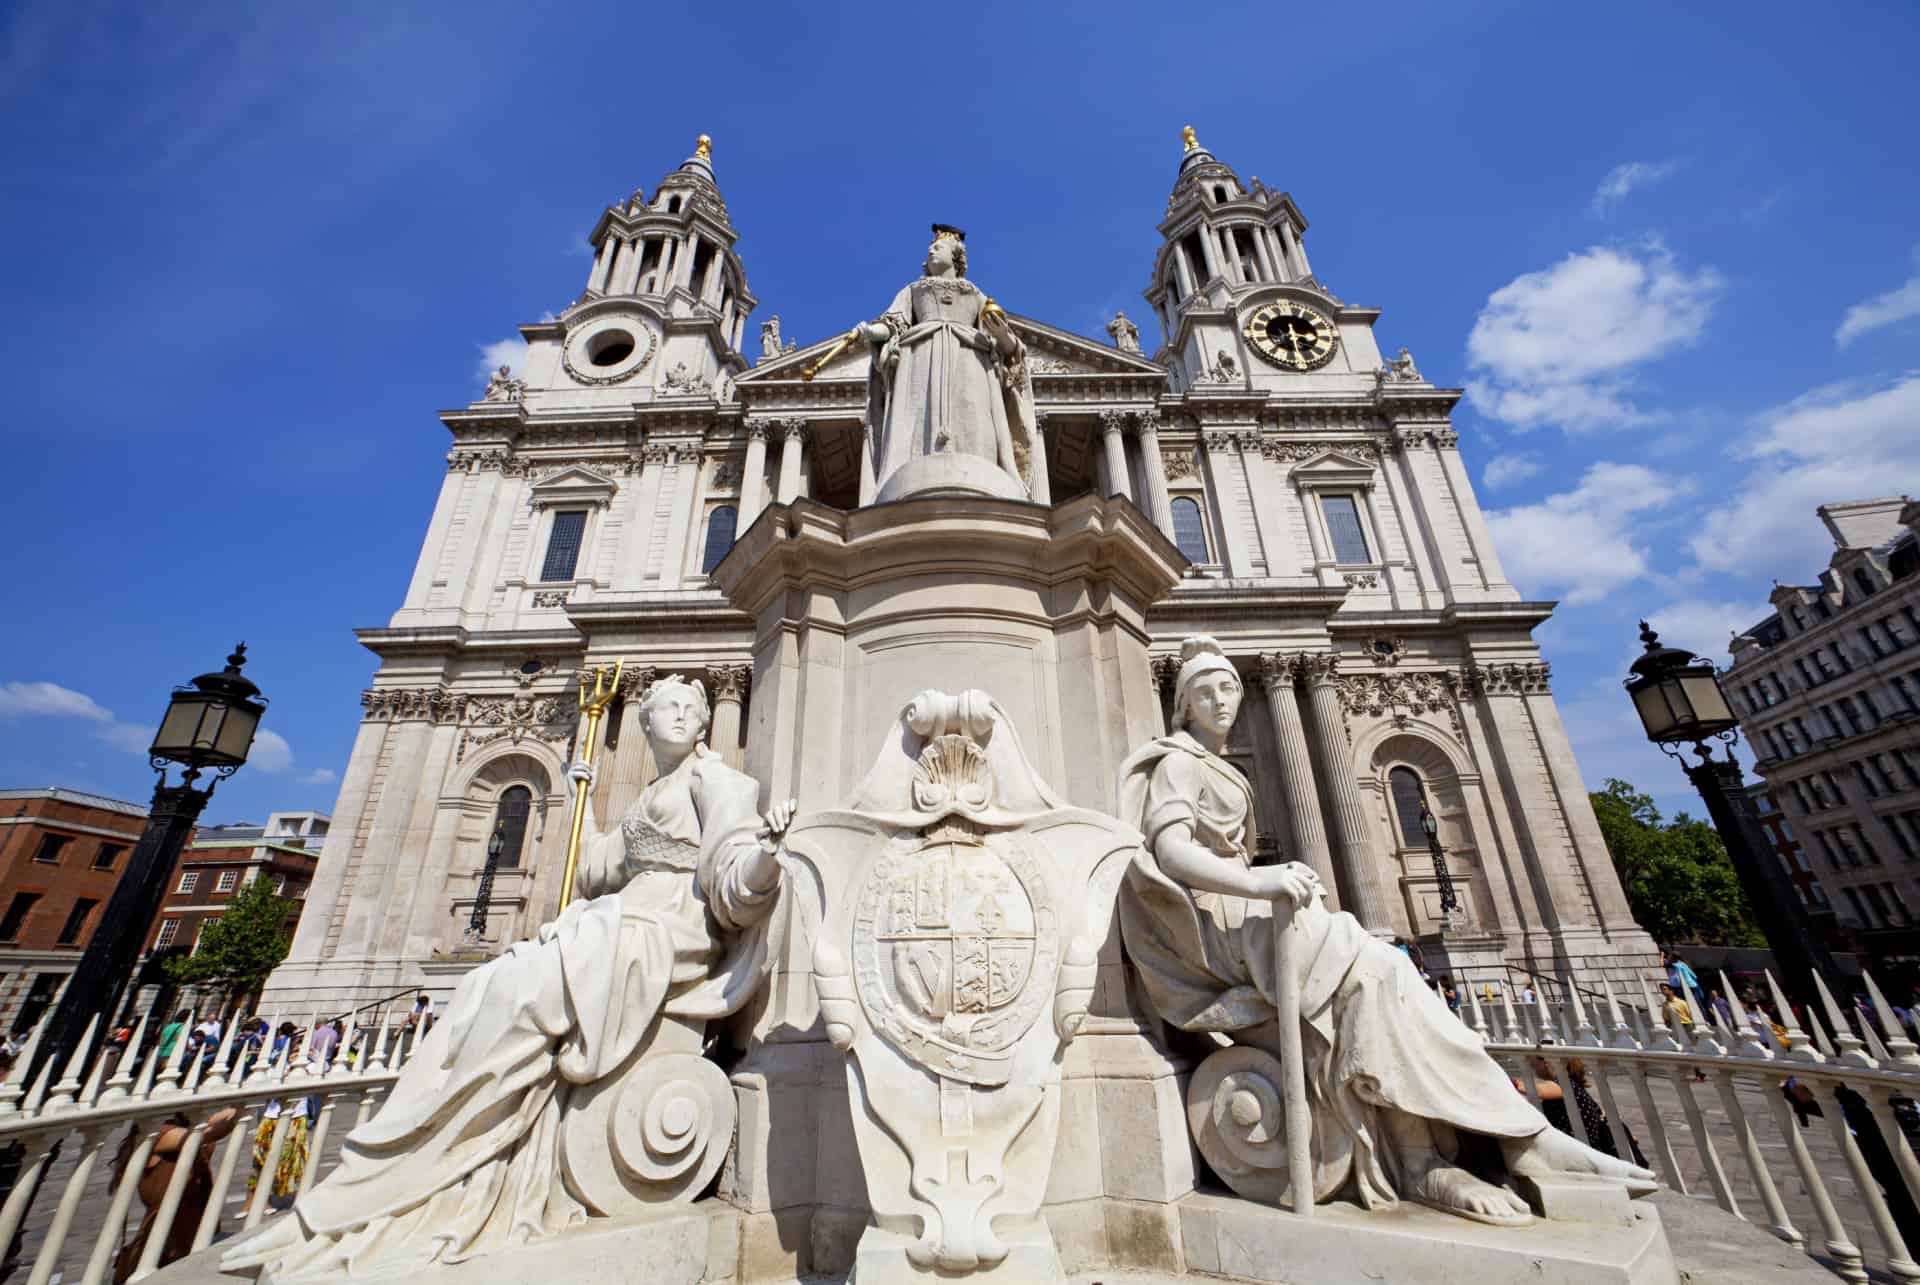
{"points": [[1391, 1073], [470, 1150]]}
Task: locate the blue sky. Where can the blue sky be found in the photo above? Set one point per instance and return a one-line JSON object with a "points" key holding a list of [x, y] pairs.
{"points": [[1670, 250]]}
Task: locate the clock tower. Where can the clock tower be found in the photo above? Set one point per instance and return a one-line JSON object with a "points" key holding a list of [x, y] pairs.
{"points": [[1239, 306]]}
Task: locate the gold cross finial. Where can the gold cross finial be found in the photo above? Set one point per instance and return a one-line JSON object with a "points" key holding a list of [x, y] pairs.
{"points": [[1190, 141], [703, 147]]}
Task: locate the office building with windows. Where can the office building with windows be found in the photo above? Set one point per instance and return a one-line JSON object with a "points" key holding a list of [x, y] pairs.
{"points": [[223, 859], [1316, 489], [61, 853], [1827, 688]]}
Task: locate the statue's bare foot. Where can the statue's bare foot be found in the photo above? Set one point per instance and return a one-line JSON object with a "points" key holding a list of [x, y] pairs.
{"points": [[1551, 1152], [1455, 1191]]}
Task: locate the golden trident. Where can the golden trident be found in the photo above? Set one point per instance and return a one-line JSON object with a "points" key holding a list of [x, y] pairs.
{"points": [[593, 703]]}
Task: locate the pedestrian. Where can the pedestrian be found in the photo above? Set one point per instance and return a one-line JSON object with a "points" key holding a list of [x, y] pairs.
{"points": [[1450, 992], [292, 1162], [326, 1039], [1527, 994], [1681, 977], [420, 1016], [1673, 1007], [1723, 1008], [170, 1033], [155, 1178]]}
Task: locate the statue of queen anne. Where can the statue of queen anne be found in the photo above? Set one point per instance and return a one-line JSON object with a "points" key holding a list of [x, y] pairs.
{"points": [[1392, 1074], [949, 399], [490, 1136]]}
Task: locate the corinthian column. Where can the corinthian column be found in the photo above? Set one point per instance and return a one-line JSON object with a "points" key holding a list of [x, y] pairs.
{"points": [[1157, 502], [1112, 423], [728, 684], [1359, 881], [796, 441], [1278, 672], [753, 477]]}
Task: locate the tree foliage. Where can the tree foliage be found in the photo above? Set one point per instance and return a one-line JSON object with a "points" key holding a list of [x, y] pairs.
{"points": [[1676, 873], [238, 950]]}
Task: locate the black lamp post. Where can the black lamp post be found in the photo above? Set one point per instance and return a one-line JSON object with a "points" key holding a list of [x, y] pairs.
{"points": [[483, 896], [1449, 899], [209, 725], [1677, 695]]}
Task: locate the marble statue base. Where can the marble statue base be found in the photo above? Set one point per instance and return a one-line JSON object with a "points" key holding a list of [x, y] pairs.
{"points": [[1203, 1236], [948, 475]]}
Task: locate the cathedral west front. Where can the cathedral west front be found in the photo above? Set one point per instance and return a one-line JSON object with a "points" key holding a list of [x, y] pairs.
{"points": [[617, 498]]}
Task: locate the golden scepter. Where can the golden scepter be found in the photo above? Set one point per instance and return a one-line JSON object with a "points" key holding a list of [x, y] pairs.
{"points": [[593, 703], [814, 367]]}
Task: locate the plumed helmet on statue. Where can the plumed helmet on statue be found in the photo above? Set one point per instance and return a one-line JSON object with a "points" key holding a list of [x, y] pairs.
{"points": [[1199, 655], [659, 686]]}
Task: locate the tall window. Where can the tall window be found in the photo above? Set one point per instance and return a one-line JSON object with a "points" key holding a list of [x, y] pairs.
{"points": [[1189, 531], [563, 544], [188, 881], [107, 855], [226, 881], [16, 917], [1405, 784], [510, 817], [76, 920], [50, 846], [720, 527], [169, 929], [1343, 526]]}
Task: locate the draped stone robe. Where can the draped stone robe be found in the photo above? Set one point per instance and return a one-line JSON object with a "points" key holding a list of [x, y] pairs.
{"points": [[1374, 1036], [468, 1152], [933, 392]]}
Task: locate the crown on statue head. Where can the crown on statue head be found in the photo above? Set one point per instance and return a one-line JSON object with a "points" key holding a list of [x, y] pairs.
{"points": [[943, 231]]}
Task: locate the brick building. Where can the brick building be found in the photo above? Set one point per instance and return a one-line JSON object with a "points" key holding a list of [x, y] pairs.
{"points": [[61, 852], [223, 859]]}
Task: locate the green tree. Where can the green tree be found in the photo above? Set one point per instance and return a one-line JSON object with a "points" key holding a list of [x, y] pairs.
{"points": [[238, 950], [1676, 873]]}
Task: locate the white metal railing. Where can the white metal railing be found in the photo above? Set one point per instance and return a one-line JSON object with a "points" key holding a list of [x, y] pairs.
{"points": [[1827, 1060], [85, 1106]]}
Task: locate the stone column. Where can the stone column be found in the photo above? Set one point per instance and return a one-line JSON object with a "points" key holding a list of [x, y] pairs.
{"points": [[753, 475], [1229, 255], [1184, 271], [1610, 906], [1260, 253], [628, 769], [1227, 489], [1112, 424], [1278, 673], [1359, 882], [1210, 254], [683, 270], [603, 263], [1157, 502], [1166, 672], [727, 685], [794, 435]]}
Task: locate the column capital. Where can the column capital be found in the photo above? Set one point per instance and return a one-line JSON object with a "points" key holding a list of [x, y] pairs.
{"points": [[1280, 669], [1319, 668], [1113, 421], [729, 682], [635, 679], [412, 705], [759, 428], [1219, 441], [1166, 672], [794, 428], [1446, 439], [1149, 422], [1518, 678]]}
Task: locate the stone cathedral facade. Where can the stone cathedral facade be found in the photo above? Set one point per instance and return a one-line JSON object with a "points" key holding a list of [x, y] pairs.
{"points": [[1337, 552]]}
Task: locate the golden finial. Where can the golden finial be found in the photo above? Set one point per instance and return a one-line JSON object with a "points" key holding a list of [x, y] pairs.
{"points": [[1189, 140], [703, 147]]}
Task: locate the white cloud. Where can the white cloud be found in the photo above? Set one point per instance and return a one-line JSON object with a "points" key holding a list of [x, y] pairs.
{"points": [[1559, 346], [320, 776], [271, 753], [1505, 470], [510, 353], [1578, 543], [20, 700], [1841, 442], [1703, 625], [1882, 310], [1623, 179]]}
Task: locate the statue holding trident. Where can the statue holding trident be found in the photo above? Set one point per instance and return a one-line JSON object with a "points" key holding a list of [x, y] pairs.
{"points": [[949, 398]]}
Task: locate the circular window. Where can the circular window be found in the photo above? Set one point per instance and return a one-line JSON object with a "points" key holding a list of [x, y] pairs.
{"points": [[610, 348], [531, 667]]}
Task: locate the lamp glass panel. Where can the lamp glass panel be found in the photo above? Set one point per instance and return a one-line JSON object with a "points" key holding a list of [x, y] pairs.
{"points": [[235, 735], [1676, 694], [179, 732], [1655, 714], [1708, 701]]}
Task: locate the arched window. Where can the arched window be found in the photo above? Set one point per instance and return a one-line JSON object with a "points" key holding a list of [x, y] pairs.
{"points": [[1189, 532], [720, 525], [673, 205], [1405, 784], [510, 819]]}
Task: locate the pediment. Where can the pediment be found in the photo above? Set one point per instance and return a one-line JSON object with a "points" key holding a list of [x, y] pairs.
{"points": [[1050, 351], [1333, 467], [574, 484]]}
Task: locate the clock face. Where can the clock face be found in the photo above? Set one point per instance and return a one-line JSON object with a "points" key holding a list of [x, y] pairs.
{"points": [[1292, 335]]}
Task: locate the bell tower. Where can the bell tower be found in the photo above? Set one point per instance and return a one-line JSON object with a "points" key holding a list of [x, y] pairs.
{"points": [[1238, 304]]}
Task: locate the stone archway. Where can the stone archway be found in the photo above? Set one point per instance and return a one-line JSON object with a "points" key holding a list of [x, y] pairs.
{"points": [[1402, 764]]}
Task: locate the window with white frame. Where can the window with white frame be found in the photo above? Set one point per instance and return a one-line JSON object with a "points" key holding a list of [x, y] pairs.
{"points": [[201, 934], [228, 880], [189, 881], [169, 929]]}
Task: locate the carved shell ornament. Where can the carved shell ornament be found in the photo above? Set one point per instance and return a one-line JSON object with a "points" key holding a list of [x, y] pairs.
{"points": [[952, 773]]}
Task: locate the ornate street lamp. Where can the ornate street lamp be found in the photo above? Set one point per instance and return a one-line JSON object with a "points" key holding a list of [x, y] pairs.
{"points": [[209, 725], [483, 897], [1677, 695], [1449, 899]]}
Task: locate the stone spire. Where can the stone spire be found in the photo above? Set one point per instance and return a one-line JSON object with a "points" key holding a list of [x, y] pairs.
{"points": [[675, 250]]}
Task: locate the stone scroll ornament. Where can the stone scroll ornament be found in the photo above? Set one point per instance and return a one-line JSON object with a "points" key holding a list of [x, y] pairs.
{"points": [[954, 967]]}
